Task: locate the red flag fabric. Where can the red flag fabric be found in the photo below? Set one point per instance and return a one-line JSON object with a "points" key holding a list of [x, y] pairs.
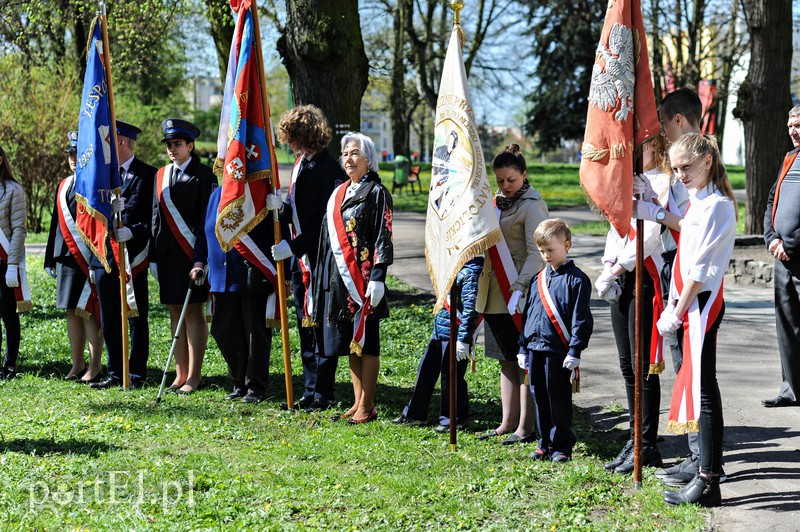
{"points": [[622, 112]]}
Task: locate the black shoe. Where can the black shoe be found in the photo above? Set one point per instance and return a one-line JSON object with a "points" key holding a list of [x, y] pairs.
{"points": [[237, 393], [319, 406], [445, 429], [778, 402], [252, 397], [108, 382], [680, 474], [405, 420], [6, 373], [621, 456], [302, 404], [701, 490], [137, 383], [651, 457]]}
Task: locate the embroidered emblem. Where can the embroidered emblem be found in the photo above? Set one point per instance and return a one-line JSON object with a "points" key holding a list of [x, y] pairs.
{"points": [[593, 153], [235, 215], [613, 73], [350, 225], [234, 169], [169, 123], [364, 255]]}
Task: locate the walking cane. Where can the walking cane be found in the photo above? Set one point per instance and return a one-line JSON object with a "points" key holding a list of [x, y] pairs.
{"points": [[192, 284]]}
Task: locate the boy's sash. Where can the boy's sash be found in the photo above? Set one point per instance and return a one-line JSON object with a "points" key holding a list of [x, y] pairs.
{"points": [[178, 226], [505, 271], [348, 266], [685, 406], [302, 261], [22, 293], [653, 265], [87, 302], [248, 249], [551, 310]]}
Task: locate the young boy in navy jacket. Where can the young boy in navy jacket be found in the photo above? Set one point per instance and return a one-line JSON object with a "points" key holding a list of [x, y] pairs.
{"points": [[558, 324]]}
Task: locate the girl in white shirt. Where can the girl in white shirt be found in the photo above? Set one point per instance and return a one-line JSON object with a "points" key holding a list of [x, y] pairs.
{"points": [[696, 307]]}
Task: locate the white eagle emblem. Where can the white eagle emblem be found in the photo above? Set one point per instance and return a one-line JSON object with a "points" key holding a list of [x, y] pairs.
{"points": [[617, 80]]}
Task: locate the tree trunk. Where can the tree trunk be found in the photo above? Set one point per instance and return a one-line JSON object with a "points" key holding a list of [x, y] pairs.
{"points": [[218, 13], [764, 101], [322, 49], [400, 126]]}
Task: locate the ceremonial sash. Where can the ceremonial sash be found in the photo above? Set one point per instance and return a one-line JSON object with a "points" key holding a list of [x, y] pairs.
{"points": [[22, 293], [302, 261], [550, 308], [684, 408], [653, 265], [505, 271], [348, 266], [674, 208], [248, 249], [788, 161], [130, 294], [88, 301], [178, 226]]}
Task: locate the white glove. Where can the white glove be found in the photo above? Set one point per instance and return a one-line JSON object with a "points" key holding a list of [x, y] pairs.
{"points": [[117, 205], [122, 234], [571, 362], [522, 360], [198, 273], [154, 270], [281, 250], [375, 290], [645, 210], [668, 323], [51, 272], [516, 303], [462, 350], [642, 187], [274, 201], [91, 275], [12, 276], [607, 287]]}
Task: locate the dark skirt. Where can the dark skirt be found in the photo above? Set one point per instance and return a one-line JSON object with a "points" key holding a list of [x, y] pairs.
{"points": [[505, 334], [338, 335], [173, 281], [70, 281]]}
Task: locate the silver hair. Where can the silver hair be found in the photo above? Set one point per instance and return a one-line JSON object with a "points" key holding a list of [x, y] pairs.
{"points": [[794, 111], [365, 146]]}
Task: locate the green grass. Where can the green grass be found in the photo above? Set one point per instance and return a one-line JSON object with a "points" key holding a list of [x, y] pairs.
{"points": [[76, 458]]}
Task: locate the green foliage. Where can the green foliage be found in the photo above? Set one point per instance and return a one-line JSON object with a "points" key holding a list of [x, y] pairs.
{"points": [[76, 458]]}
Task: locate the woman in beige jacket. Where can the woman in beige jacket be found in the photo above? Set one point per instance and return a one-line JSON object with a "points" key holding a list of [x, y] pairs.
{"points": [[521, 210]]}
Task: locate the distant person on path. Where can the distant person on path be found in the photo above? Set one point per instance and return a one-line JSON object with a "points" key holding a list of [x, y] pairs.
{"points": [[558, 325], [507, 273], [14, 291], [617, 285], [696, 307], [66, 258], [314, 176], [782, 236], [355, 253], [435, 359]]}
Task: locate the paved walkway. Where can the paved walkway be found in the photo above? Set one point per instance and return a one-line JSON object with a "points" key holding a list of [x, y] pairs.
{"points": [[762, 445]]}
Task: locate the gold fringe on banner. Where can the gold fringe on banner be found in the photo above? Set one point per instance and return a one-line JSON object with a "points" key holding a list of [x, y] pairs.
{"points": [[24, 306], [656, 369], [676, 427]]}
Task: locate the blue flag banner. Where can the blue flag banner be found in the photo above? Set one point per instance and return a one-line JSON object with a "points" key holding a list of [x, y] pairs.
{"points": [[97, 173]]}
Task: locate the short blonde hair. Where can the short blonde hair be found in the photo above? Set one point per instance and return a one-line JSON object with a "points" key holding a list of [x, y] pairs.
{"points": [[550, 228]]}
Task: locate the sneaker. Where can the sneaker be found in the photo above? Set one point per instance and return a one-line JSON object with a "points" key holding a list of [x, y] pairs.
{"points": [[539, 454], [409, 421], [621, 456], [560, 458], [651, 457], [680, 474]]}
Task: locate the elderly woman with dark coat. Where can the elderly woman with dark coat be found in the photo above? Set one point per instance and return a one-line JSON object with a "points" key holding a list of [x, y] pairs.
{"points": [[355, 251]]}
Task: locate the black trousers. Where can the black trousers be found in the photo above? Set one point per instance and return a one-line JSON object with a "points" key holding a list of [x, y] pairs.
{"points": [[240, 330], [623, 321], [787, 321], [140, 328], [107, 284], [712, 425], [552, 393], [307, 339], [8, 313], [436, 361]]}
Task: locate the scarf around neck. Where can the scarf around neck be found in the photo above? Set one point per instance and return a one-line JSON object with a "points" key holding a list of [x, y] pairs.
{"points": [[503, 203]]}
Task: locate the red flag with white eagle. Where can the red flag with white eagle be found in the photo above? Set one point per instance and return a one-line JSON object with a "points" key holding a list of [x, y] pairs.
{"points": [[622, 112]]}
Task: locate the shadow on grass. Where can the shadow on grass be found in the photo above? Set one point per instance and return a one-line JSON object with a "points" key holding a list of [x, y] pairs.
{"points": [[40, 446]]}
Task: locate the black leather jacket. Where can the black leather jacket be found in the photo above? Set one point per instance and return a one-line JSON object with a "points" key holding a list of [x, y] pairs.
{"points": [[368, 217]]}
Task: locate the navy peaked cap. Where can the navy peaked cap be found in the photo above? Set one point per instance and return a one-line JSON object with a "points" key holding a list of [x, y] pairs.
{"points": [[72, 137], [127, 130], [175, 128]]}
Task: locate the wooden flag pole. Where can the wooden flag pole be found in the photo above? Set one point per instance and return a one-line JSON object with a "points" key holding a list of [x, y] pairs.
{"points": [[640, 342], [126, 376], [287, 359], [452, 358]]}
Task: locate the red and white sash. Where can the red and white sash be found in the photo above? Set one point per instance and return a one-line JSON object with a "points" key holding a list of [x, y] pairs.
{"points": [[22, 293], [248, 249], [87, 302], [347, 263], [178, 226], [684, 408], [505, 271], [302, 261], [653, 265], [550, 308]]}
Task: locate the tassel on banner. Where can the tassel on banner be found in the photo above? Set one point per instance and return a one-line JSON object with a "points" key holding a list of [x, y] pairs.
{"points": [[575, 379]]}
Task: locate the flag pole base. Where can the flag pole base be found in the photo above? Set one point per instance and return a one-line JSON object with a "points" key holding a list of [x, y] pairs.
{"points": [[637, 485], [453, 447]]}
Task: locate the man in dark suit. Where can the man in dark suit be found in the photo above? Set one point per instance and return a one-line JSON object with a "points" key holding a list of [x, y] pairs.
{"points": [[137, 190]]}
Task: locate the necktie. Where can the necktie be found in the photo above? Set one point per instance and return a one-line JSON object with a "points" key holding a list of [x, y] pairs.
{"points": [[122, 173]]}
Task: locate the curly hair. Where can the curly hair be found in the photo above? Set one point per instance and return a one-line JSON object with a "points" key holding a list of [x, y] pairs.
{"points": [[305, 126]]}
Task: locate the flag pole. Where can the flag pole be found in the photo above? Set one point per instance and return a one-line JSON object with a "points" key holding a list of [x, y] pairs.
{"points": [[287, 360], [126, 377], [639, 340]]}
